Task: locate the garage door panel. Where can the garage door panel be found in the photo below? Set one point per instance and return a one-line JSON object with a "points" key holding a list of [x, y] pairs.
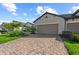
{"points": [[74, 27], [48, 29]]}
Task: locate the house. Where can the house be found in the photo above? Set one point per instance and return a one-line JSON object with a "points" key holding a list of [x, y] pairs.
{"points": [[72, 22], [2, 29], [50, 23], [26, 25]]}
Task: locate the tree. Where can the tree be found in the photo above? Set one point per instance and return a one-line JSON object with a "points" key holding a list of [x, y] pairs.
{"points": [[12, 25], [17, 24], [8, 26]]}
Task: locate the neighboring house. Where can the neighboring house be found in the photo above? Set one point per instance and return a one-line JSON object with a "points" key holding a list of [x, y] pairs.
{"points": [[26, 25], [50, 23], [2, 29]]}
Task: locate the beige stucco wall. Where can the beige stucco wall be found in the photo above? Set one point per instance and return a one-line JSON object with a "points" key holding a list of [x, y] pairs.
{"points": [[51, 19], [73, 25], [73, 21]]}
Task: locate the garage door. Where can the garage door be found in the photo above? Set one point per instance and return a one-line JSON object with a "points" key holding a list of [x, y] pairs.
{"points": [[47, 29], [74, 27]]}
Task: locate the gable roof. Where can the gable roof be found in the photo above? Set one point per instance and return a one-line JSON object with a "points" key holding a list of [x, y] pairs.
{"points": [[65, 16], [26, 24], [76, 12], [29, 23], [70, 16], [47, 13]]}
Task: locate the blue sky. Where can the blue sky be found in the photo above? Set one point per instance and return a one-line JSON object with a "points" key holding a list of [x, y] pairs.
{"points": [[28, 12]]}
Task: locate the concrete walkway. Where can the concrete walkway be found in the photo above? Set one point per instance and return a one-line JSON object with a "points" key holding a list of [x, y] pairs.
{"points": [[34, 45]]}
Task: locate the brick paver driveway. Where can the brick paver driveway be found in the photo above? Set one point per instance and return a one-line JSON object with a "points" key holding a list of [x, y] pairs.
{"points": [[34, 44]]}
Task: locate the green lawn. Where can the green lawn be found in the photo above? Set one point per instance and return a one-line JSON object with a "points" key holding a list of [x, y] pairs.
{"points": [[72, 47], [11, 36], [6, 38]]}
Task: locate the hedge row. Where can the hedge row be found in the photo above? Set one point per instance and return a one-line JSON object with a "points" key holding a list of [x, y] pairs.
{"points": [[70, 35]]}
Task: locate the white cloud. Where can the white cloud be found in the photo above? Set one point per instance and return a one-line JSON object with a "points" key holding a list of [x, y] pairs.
{"points": [[14, 13], [11, 7], [51, 10], [73, 9], [40, 9], [25, 14], [1, 21], [43, 9], [27, 19]]}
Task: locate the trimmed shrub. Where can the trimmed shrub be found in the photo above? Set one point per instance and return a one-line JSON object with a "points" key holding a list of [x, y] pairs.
{"points": [[16, 33], [70, 36], [66, 34], [75, 37]]}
